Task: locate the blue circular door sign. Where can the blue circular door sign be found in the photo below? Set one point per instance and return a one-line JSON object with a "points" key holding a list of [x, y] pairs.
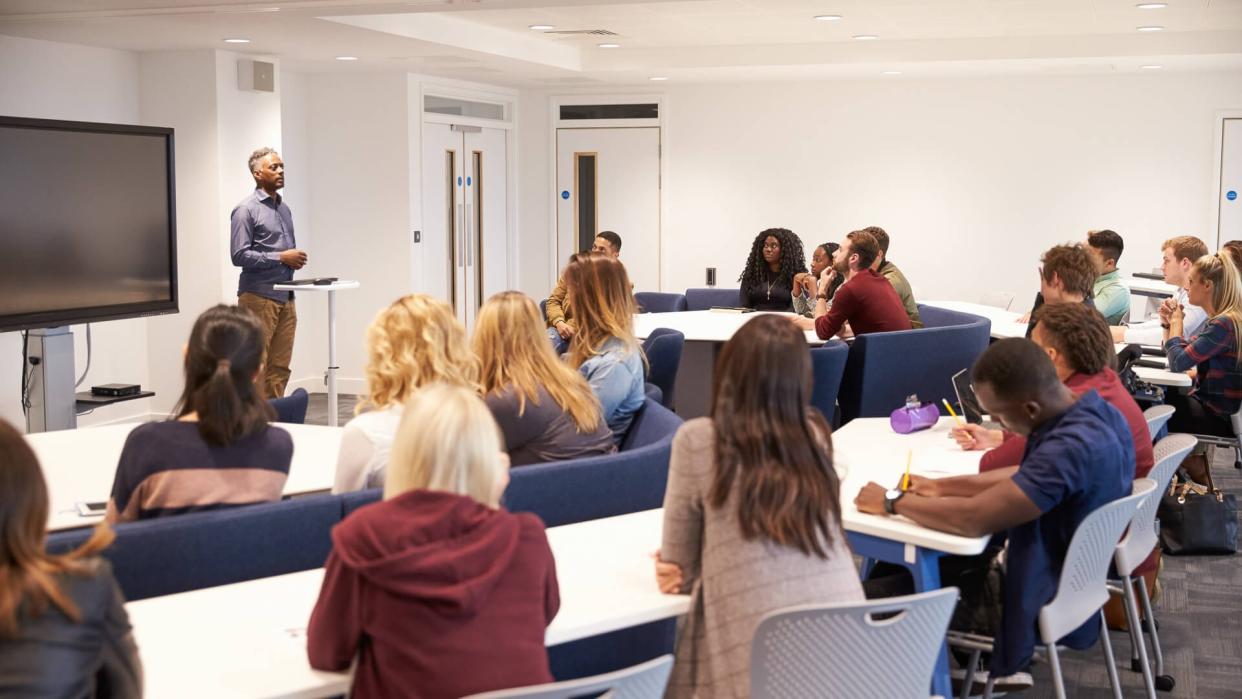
{"points": [[467, 181], [1231, 195], [565, 194], [458, 180]]}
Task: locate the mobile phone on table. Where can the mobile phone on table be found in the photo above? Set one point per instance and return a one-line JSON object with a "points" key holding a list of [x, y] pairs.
{"points": [[92, 509]]}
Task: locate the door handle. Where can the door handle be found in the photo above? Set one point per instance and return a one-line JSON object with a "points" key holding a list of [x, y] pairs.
{"points": [[470, 234], [459, 253]]}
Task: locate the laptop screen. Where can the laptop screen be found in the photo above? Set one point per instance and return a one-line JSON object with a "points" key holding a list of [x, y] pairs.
{"points": [[966, 397]]}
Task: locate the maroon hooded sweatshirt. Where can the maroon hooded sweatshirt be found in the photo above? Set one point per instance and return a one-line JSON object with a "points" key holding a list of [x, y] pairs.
{"points": [[438, 596]]}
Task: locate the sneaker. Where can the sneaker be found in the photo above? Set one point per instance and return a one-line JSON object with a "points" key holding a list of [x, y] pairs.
{"points": [[1017, 682]]}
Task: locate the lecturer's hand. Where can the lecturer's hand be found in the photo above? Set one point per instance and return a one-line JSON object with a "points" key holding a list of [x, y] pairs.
{"points": [[668, 575], [295, 259]]}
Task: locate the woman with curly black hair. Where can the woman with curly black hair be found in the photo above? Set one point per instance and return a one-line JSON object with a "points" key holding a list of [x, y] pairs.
{"points": [[767, 280]]}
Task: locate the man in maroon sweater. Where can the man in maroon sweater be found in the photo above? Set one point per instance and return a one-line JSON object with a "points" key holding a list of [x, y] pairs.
{"points": [[867, 301]]}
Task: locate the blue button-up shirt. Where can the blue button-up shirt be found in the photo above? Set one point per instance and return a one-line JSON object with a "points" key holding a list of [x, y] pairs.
{"points": [[262, 228]]}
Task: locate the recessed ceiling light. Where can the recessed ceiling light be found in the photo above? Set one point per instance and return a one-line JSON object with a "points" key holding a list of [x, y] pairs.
{"points": [[1151, 67], [237, 41], [609, 46], [1150, 29], [865, 37], [346, 58], [658, 77], [541, 27], [891, 72], [827, 18], [1152, 5]]}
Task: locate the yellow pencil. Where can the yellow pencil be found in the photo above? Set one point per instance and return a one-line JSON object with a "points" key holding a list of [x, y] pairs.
{"points": [[905, 481], [950, 407]]}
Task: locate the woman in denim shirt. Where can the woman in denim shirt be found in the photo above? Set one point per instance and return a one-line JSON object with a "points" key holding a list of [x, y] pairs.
{"points": [[604, 348]]}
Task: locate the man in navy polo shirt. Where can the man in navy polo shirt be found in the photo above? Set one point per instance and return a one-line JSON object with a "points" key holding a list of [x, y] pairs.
{"points": [[1079, 456]]}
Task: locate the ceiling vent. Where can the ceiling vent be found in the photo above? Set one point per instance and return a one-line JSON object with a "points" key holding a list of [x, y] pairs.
{"points": [[581, 32]]}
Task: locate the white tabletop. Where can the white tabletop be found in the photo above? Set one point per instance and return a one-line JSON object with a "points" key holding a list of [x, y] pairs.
{"points": [[334, 286], [1005, 324], [79, 465], [248, 639], [703, 326], [1149, 287]]}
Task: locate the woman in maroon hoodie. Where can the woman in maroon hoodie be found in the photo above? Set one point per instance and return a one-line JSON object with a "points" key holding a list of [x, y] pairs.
{"points": [[436, 590]]}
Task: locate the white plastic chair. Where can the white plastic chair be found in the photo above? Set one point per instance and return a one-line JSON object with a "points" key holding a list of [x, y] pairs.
{"points": [[832, 649], [1081, 591], [1234, 442], [1134, 548], [999, 299], [644, 681], [1156, 417]]}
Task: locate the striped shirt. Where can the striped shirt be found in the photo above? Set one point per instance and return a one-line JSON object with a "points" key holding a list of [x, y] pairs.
{"points": [[1215, 352], [167, 469]]}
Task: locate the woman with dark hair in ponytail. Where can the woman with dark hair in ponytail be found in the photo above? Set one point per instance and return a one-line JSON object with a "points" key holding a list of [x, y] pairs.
{"points": [[220, 450]]}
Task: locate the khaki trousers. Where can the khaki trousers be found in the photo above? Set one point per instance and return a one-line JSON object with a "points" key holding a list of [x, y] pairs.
{"points": [[279, 321]]}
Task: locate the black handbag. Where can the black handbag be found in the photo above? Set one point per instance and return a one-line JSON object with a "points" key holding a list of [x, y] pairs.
{"points": [[1198, 520]]}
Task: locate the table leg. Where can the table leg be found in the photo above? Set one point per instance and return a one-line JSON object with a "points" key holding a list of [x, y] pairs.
{"points": [[332, 367]]}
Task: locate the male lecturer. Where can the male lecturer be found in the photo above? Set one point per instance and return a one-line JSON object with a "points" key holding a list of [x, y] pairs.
{"points": [[262, 244]]}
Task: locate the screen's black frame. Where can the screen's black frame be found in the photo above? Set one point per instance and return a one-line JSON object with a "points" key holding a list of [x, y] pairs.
{"points": [[95, 314]]}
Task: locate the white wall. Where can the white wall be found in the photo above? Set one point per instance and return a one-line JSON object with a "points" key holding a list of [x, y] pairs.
{"points": [[536, 225], [48, 80], [973, 178]]}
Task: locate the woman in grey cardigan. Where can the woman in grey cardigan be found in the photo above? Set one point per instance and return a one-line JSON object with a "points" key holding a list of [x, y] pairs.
{"points": [[752, 516]]}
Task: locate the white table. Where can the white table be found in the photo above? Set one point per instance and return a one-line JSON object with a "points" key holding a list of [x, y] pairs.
{"points": [[706, 332], [79, 465], [1155, 288], [330, 376], [249, 639], [1005, 324]]}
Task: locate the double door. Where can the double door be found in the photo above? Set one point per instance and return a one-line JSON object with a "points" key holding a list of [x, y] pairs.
{"points": [[464, 215]]}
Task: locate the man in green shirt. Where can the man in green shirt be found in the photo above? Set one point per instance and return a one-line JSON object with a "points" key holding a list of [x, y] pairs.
{"points": [[889, 271], [1112, 298]]}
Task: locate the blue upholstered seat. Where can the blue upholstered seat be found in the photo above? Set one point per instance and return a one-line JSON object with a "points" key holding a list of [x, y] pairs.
{"points": [[291, 408], [884, 368], [703, 299], [632, 480], [663, 349], [658, 302], [828, 367]]}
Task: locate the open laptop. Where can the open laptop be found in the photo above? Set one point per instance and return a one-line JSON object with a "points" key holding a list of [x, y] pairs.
{"points": [[966, 397]]}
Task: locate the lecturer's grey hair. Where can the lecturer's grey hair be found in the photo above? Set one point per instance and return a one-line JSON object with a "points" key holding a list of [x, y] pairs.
{"points": [[258, 155]]}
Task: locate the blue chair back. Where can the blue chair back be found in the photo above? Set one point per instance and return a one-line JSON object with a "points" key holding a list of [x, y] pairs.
{"points": [[359, 498], [291, 408], [884, 368], [164, 556], [663, 349], [543, 309], [828, 367], [703, 299], [658, 302], [632, 480]]}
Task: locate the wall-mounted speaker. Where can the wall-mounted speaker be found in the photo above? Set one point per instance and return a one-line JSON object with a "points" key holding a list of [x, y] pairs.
{"points": [[256, 76]]}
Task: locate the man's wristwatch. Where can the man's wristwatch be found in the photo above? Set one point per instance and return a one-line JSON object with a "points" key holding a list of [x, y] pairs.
{"points": [[890, 500]]}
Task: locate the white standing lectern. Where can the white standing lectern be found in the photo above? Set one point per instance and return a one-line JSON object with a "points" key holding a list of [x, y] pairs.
{"points": [[331, 289]]}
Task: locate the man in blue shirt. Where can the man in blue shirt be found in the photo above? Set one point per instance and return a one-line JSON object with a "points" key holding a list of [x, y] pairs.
{"points": [[1079, 456], [262, 244]]}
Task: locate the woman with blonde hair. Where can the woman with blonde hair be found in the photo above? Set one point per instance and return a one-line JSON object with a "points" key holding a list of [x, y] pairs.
{"points": [[437, 590], [63, 627], [546, 411], [414, 342], [1214, 286], [603, 348]]}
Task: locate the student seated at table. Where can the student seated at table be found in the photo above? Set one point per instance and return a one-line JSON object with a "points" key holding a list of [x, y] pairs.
{"points": [[1177, 255], [546, 410], [560, 318], [414, 342], [1234, 248], [1110, 295], [220, 450], [63, 627], [1215, 287], [603, 349], [1079, 456], [437, 591], [767, 280], [1066, 275], [866, 300], [806, 284], [752, 515], [889, 271]]}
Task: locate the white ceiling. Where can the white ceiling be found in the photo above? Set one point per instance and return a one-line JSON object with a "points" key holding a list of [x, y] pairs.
{"points": [[685, 40]]}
